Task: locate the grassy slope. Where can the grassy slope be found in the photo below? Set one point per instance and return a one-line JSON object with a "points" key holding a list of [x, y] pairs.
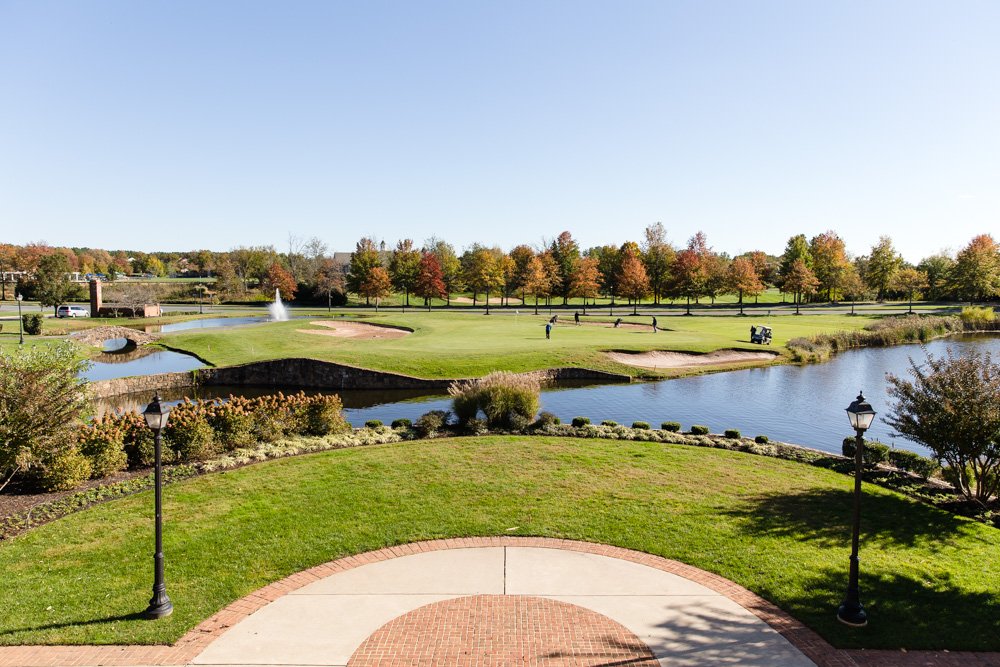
{"points": [[463, 345], [929, 579]]}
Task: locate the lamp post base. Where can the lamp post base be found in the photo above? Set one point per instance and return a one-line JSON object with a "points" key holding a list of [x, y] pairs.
{"points": [[853, 615], [159, 606]]}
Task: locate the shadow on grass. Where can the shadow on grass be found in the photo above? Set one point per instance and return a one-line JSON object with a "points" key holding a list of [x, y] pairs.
{"points": [[824, 516], [903, 611], [137, 616]]}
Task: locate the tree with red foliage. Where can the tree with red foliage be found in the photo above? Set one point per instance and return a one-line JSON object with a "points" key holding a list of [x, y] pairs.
{"points": [[430, 279], [280, 279]]}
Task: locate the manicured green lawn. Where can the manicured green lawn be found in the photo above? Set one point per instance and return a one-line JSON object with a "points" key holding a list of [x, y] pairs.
{"points": [[449, 344], [929, 579]]}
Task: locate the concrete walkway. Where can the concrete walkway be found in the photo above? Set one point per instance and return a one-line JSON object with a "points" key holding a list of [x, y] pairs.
{"points": [[325, 623]]}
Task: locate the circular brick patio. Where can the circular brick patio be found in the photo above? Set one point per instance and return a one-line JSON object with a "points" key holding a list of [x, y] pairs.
{"points": [[496, 630]]}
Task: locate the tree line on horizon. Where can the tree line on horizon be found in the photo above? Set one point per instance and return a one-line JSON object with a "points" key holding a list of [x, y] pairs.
{"points": [[816, 269]]}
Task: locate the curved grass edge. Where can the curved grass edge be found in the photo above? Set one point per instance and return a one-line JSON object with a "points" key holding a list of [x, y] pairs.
{"points": [[577, 525]]}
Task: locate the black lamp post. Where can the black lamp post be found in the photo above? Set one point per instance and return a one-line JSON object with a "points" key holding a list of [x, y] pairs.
{"points": [[851, 610], [159, 605], [20, 322]]}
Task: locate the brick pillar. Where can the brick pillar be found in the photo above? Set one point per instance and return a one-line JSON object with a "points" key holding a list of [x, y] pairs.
{"points": [[95, 298]]}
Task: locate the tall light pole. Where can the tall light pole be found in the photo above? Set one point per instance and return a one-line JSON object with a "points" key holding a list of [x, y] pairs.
{"points": [[156, 418], [20, 322], [851, 611]]}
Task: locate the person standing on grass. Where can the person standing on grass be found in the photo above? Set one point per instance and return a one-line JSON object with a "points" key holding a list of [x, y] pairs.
{"points": [[548, 330], [654, 323], [576, 318]]}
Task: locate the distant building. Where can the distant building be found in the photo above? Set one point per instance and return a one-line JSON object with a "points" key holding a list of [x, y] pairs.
{"points": [[100, 309]]}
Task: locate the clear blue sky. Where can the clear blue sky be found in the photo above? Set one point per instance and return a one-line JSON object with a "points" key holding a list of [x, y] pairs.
{"points": [[178, 125]]}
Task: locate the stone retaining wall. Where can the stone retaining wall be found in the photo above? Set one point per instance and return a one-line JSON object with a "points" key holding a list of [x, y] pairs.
{"points": [[141, 383], [309, 374]]}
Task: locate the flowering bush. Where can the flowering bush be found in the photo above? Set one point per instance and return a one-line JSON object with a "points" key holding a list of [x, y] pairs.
{"points": [[103, 443]]}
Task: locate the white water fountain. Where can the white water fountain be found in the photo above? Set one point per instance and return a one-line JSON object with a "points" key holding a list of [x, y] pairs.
{"points": [[277, 309]]}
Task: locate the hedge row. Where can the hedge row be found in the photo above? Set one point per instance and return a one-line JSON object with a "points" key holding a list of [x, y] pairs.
{"points": [[196, 431]]}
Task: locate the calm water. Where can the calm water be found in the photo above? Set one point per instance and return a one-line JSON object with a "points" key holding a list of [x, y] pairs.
{"points": [[208, 323], [111, 365], [798, 404]]}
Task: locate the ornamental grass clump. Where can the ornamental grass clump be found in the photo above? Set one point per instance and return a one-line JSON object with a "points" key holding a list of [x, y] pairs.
{"points": [[508, 400]]}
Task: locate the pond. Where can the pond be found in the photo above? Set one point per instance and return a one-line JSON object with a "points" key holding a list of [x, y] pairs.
{"points": [[798, 404], [207, 323]]}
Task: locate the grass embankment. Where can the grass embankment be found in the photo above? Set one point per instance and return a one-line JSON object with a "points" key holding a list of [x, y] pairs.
{"points": [[929, 579], [449, 345]]}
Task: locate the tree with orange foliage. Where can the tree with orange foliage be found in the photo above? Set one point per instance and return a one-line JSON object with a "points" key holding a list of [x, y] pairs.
{"points": [[742, 278], [634, 282], [376, 286]]}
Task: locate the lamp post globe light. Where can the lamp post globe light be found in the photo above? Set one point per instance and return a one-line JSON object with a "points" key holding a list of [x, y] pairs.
{"points": [[851, 611], [156, 418], [20, 322]]}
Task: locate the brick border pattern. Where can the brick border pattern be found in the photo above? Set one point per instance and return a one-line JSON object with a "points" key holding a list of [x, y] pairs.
{"points": [[196, 640], [494, 630]]}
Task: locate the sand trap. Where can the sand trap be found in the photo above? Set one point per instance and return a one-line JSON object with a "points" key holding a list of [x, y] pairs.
{"points": [[493, 300], [661, 359], [354, 330], [611, 325]]}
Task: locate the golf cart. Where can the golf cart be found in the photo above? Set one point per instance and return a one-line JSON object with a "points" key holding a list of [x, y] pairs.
{"points": [[761, 335]]}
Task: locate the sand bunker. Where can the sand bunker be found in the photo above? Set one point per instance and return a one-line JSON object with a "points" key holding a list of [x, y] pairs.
{"points": [[354, 330], [660, 359], [624, 325], [480, 302]]}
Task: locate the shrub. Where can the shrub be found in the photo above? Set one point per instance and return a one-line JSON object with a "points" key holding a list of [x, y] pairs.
{"points": [[733, 434], [875, 452], [580, 421], [761, 439], [673, 427], [547, 419], [913, 462], [698, 429], [975, 317], [431, 422], [41, 405], [641, 425], [373, 423], [64, 470], [325, 415], [138, 440], [189, 434], [402, 423], [609, 422], [32, 324], [476, 426], [103, 443], [232, 422], [508, 400]]}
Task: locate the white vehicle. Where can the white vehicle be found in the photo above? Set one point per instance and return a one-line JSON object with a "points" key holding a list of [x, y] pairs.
{"points": [[72, 311]]}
